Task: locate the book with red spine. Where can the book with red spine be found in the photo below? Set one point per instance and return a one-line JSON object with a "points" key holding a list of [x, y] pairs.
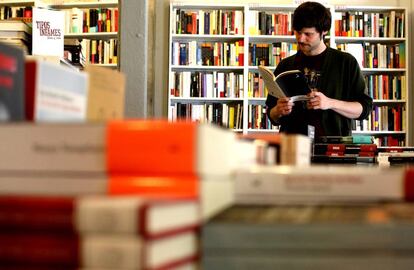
{"points": [[134, 215], [73, 251]]}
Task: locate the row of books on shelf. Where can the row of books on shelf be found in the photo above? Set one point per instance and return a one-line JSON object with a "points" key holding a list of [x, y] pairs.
{"points": [[208, 53], [93, 20], [265, 54], [12, 12], [384, 118], [229, 84], [213, 84], [366, 24], [347, 23], [207, 22], [270, 23], [390, 140], [386, 86], [222, 114], [258, 119], [376, 55]]}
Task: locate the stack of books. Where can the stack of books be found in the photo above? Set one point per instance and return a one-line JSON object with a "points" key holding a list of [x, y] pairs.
{"points": [[324, 217], [344, 149], [63, 164], [16, 33], [97, 232]]}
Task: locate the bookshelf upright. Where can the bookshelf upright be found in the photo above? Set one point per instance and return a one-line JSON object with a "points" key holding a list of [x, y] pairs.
{"points": [[377, 37]]}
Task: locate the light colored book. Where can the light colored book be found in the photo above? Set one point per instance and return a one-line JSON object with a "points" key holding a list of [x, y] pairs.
{"points": [[55, 93], [291, 83], [15, 26], [322, 184]]}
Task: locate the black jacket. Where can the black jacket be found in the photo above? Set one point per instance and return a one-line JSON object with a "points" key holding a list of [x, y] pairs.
{"points": [[341, 79]]}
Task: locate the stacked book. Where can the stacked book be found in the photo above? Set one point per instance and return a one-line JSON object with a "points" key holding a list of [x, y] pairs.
{"points": [[344, 149], [16, 33], [395, 156], [319, 217]]}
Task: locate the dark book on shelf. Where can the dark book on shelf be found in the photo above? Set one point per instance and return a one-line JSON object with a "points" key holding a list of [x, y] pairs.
{"points": [[291, 83], [11, 83]]}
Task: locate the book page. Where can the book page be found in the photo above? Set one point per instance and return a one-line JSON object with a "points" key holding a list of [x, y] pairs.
{"points": [[269, 80]]}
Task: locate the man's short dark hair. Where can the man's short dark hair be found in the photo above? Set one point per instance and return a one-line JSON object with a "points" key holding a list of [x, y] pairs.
{"points": [[312, 14]]}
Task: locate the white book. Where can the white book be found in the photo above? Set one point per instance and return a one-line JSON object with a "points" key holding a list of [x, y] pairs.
{"points": [[322, 184], [56, 92]]}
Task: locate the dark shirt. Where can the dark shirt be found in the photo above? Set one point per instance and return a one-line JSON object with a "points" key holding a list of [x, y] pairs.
{"points": [[338, 76]]}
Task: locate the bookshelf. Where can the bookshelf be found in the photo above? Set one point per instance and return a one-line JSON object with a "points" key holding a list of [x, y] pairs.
{"points": [[274, 43], [98, 38], [377, 36]]}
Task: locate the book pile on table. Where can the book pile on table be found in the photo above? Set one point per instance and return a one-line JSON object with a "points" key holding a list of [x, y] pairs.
{"points": [[344, 149], [319, 217], [49, 171]]}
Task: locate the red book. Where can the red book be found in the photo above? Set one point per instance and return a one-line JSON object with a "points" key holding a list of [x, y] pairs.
{"points": [[98, 251], [241, 52], [157, 146], [368, 148], [155, 186], [336, 147], [149, 218], [334, 153]]}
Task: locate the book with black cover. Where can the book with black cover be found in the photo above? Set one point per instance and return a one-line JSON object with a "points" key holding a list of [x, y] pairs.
{"points": [[291, 83], [11, 83]]}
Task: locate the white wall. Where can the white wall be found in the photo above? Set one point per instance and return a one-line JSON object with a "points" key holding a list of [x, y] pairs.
{"points": [[160, 48]]}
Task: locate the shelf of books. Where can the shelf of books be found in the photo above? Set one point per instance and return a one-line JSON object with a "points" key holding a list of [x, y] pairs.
{"points": [[91, 29], [206, 67], [377, 37], [215, 51], [15, 24]]}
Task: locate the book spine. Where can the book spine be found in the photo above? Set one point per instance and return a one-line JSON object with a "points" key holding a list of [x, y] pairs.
{"points": [[66, 148], [71, 250]]}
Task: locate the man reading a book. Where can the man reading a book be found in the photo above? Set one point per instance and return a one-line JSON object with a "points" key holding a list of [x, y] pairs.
{"points": [[335, 77]]}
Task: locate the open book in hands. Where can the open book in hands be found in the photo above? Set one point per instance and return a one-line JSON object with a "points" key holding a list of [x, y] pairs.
{"points": [[291, 83]]}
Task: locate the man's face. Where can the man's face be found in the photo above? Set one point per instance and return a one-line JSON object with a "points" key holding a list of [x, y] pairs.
{"points": [[310, 41]]}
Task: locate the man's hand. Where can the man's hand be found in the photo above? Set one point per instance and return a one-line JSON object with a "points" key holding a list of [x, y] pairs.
{"points": [[349, 109], [319, 101], [283, 107]]}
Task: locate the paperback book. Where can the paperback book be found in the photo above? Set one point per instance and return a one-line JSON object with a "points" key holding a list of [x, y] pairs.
{"points": [[291, 83]]}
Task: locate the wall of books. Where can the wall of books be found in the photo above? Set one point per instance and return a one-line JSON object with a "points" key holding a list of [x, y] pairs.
{"points": [[91, 29], [215, 50]]}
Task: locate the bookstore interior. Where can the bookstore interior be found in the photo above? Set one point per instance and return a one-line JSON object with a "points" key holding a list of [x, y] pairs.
{"points": [[174, 160]]}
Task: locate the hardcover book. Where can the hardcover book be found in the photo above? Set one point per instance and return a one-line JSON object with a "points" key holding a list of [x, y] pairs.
{"points": [[95, 251], [99, 214], [55, 93], [291, 83], [12, 94], [323, 184]]}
